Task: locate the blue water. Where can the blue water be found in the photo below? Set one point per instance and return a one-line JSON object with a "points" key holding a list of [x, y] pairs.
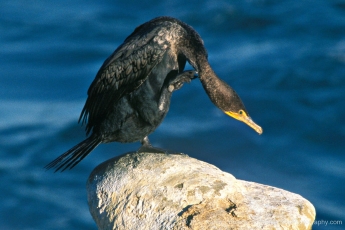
{"points": [[286, 59]]}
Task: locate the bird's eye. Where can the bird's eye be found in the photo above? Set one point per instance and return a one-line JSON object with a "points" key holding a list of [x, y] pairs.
{"points": [[241, 112]]}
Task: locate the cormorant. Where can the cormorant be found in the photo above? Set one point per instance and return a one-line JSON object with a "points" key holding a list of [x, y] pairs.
{"points": [[131, 92]]}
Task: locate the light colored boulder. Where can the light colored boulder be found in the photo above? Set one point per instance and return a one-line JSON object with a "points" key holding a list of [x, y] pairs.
{"points": [[173, 191]]}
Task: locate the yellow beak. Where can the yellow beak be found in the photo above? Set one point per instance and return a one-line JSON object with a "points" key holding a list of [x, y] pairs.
{"points": [[246, 119]]}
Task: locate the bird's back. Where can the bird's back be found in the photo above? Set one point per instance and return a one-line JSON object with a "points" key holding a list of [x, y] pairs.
{"points": [[130, 65]]}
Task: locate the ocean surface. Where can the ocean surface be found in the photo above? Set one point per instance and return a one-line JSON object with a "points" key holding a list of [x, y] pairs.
{"points": [[286, 60]]}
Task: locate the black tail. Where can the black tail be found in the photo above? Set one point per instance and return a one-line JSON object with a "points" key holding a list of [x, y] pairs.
{"points": [[73, 156]]}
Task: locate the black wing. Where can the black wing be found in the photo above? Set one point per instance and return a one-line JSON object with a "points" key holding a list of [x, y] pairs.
{"points": [[124, 71]]}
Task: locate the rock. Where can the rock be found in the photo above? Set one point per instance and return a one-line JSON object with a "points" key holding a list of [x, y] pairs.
{"points": [[174, 191]]}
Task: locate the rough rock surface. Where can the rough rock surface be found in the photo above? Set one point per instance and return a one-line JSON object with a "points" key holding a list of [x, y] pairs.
{"points": [[173, 191]]}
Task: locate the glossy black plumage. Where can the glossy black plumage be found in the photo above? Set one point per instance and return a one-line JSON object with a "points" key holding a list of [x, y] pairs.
{"points": [[131, 92]]}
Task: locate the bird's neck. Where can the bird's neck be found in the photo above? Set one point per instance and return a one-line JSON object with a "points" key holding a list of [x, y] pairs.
{"points": [[208, 78], [198, 59], [217, 90]]}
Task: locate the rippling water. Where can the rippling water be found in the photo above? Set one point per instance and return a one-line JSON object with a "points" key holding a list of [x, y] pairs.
{"points": [[286, 59]]}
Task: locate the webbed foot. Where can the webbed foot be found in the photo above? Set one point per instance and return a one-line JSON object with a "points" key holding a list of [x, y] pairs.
{"points": [[180, 79], [146, 147], [151, 149]]}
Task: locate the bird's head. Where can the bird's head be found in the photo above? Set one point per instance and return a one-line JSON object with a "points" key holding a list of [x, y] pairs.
{"points": [[226, 99], [220, 93], [236, 109]]}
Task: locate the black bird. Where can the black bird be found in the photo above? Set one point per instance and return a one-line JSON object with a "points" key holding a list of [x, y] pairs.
{"points": [[131, 92]]}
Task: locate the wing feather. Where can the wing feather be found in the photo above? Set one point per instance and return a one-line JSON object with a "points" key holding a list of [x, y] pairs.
{"points": [[124, 71]]}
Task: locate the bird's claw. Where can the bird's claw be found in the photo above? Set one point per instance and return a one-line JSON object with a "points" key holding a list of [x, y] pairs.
{"points": [[184, 77]]}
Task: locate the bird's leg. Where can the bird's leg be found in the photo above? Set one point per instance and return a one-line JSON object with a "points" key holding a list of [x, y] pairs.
{"points": [[146, 142], [147, 147], [178, 81], [173, 82]]}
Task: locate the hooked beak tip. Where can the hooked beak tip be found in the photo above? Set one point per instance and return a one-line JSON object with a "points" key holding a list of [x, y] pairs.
{"points": [[247, 120], [253, 125]]}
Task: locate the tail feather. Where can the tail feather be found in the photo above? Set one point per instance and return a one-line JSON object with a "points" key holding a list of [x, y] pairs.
{"points": [[73, 156]]}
